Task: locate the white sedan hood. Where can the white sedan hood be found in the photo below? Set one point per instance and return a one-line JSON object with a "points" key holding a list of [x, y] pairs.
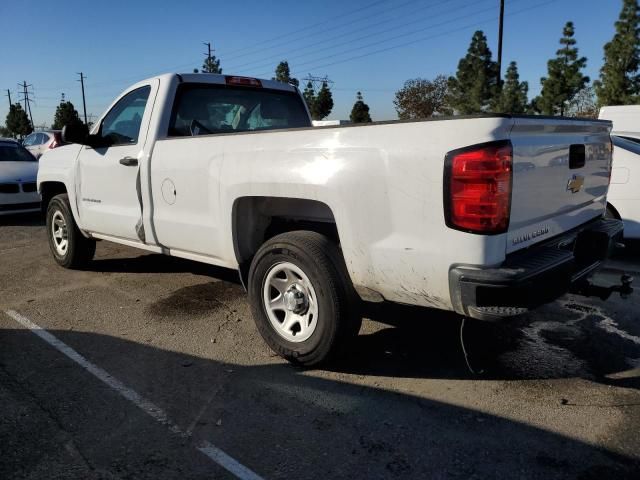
{"points": [[11, 172]]}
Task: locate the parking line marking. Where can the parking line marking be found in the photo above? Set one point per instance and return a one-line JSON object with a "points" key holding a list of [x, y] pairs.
{"points": [[211, 451]]}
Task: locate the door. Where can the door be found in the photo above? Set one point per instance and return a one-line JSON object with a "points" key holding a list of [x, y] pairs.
{"points": [[109, 202]]}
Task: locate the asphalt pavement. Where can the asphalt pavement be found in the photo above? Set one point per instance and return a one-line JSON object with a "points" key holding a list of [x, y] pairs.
{"points": [[150, 367]]}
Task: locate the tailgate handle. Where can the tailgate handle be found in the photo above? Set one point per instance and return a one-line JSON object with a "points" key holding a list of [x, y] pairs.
{"points": [[577, 156]]}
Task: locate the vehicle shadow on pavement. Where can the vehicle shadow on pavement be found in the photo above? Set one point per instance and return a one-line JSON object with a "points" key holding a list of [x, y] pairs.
{"points": [[554, 342], [158, 263], [22, 220], [264, 416]]}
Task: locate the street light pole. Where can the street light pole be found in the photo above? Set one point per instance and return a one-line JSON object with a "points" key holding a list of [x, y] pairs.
{"points": [[501, 28]]}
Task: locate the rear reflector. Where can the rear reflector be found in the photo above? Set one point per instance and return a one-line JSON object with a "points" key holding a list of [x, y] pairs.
{"points": [[244, 81], [477, 188]]}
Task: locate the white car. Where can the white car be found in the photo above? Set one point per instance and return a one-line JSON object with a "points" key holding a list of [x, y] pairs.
{"points": [[624, 192], [484, 216], [18, 174], [39, 142]]}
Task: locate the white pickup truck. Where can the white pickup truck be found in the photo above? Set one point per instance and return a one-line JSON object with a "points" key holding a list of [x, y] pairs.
{"points": [[486, 216]]}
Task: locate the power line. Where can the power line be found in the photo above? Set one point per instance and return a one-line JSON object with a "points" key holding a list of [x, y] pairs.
{"points": [[324, 32], [317, 82], [403, 35], [377, 33], [306, 28], [430, 37]]}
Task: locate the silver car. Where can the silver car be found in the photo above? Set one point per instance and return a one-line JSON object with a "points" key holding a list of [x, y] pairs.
{"points": [[18, 174], [39, 142]]}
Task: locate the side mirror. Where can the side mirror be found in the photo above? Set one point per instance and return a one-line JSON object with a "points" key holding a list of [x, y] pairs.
{"points": [[75, 133]]}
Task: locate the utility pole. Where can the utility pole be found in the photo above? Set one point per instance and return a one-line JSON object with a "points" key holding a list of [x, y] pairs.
{"points": [[27, 101], [501, 28], [317, 81], [25, 94], [84, 103], [208, 54], [9, 95]]}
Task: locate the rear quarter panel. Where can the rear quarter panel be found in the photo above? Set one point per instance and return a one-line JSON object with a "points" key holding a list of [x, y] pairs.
{"points": [[384, 185]]}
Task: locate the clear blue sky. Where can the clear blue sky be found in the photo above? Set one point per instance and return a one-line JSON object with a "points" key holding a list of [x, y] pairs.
{"points": [[116, 42]]}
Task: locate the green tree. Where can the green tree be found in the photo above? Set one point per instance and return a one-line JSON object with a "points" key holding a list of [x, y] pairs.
{"points": [[474, 87], [619, 82], [584, 104], [513, 95], [421, 98], [210, 65], [323, 103], [565, 78], [4, 132], [320, 104], [283, 74], [360, 111], [66, 114], [309, 97], [17, 122]]}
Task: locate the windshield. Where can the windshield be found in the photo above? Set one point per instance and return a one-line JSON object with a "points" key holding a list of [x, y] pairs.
{"points": [[12, 152]]}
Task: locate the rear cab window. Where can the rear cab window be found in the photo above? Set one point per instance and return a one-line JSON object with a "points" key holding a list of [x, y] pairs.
{"points": [[204, 109]]}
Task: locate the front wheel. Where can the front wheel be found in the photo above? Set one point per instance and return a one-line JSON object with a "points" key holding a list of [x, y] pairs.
{"points": [[301, 297], [69, 247]]}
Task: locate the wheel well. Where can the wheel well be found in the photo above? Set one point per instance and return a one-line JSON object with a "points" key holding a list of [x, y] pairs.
{"points": [[257, 219], [48, 190]]}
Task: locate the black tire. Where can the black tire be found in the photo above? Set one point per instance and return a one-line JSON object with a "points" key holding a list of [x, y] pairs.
{"points": [[338, 320], [79, 249]]}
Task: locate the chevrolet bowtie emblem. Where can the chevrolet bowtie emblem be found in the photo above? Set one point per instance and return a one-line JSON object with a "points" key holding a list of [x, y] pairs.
{"points": [[574, 185]]}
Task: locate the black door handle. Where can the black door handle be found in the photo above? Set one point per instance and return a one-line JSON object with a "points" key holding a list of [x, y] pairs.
{"points": [[129, 162]]}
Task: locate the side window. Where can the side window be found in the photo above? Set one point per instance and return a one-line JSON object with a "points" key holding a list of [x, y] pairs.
{"points": [[29, 140], [121, 126], [45, 138], [40, 139]]}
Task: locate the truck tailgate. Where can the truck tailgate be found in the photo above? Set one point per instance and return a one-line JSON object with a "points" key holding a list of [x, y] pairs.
{"points": [[561, 174]]}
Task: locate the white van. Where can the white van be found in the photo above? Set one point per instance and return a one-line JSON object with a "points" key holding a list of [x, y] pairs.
{"points": [[624, 193]]}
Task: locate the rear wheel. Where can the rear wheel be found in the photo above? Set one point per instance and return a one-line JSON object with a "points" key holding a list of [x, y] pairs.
{"points": [[301, 297], [69, 247]]}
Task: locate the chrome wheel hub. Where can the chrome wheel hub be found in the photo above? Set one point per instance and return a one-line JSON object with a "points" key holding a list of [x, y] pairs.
{"points": [[289, 300], [295, 300], [59, 233]]}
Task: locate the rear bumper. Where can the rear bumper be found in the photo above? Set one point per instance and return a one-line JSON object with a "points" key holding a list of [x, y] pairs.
{"points": [[536, 276]]}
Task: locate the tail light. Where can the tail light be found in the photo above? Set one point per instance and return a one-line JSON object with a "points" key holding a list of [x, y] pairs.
{"points": [[56, 141], [243, 81], [478, 182]]}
